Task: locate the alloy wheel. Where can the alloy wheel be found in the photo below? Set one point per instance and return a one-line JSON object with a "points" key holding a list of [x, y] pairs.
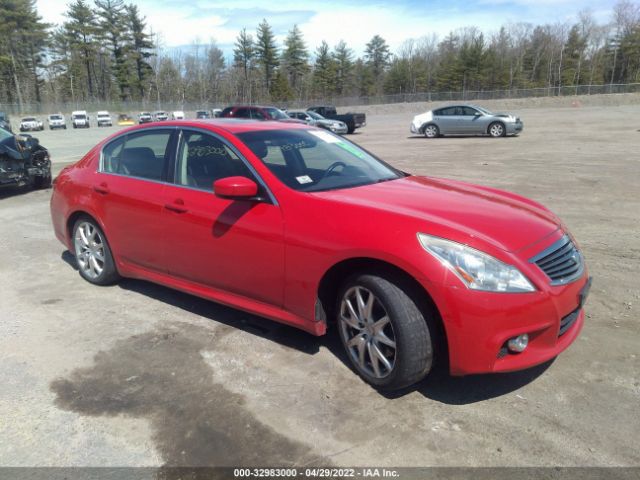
{"points": [[496, 130], [90, 250], [367, 332], [431, 131]]}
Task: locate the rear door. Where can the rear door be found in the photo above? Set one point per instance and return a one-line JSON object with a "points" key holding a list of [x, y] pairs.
{"points": [[447, 120], [131, 181]]}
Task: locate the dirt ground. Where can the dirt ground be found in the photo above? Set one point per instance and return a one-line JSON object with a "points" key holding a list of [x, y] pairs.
{"points": [[139, 375]]}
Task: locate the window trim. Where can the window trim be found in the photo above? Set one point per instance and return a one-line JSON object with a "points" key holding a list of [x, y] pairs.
{"points": [[171, 177]]}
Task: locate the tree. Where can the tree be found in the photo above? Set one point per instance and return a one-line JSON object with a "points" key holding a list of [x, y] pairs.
{"points": [[81, 36], [377, 55], [324, 71], [343, 61], [266, 52], [243, 58], [295, 57], [112, 18], [140, 48]]}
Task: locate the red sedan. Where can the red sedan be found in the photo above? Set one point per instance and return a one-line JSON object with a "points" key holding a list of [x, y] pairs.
{"points": [[306, 228]]}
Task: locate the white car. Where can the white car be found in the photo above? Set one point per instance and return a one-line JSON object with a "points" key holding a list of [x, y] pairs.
{"points": [[177, 115], [80, 119], [103, 119], [29, 124], [160, 116], [56, 120]]}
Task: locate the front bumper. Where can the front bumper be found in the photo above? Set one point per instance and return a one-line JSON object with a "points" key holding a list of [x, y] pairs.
{"points": [[515, 128], [479, 324]]}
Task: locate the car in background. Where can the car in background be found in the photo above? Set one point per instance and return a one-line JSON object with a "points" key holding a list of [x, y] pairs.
{"points": [[317, 120], [216, 112], [103, 119], [56, 120], [257, 112], [144, 117], [177, 115], [465, 120], [23, 161], [352, 120], [125, 120], [160, 116], [80, 119], [31, 124], [301, 226], [5, 123], [202, 114]]}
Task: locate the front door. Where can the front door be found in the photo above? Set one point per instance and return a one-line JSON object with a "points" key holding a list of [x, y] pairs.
{"points": [[232, 245]]}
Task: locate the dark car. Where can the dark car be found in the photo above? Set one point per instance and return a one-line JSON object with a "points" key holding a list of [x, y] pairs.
{"points": [[257, 112], [353, 120], [202, 114], [23, 161], [4, 121]]}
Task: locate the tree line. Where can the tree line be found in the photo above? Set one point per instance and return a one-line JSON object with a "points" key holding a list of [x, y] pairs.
{"points": [[104, 51]]}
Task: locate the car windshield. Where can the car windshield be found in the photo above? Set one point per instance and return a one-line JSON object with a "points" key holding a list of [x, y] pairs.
{"points": [[29, 119], [316, 160], [55, 117], [483, 110], [315, 116], [276, 114]]}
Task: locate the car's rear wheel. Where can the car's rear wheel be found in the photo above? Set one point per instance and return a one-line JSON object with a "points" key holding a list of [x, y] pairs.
{"points": [[93, 255], [496, 129], [384, 333], [431, 131]]}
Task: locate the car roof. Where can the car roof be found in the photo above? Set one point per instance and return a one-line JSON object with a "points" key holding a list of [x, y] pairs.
{"points": [[230, 125]]}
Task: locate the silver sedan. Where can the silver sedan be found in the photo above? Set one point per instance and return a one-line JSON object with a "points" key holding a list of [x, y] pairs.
{"points": [[317, 120], [465, 120]]}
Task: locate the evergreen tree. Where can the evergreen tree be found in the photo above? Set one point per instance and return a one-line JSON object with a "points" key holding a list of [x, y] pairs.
{"points": [[324, 70], [266, 52], [140, 48], [343, 59], [112, 23], [243, 57], [295, 57]]}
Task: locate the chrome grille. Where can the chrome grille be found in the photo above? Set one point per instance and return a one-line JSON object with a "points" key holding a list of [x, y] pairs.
{"points": [[562, 261]]}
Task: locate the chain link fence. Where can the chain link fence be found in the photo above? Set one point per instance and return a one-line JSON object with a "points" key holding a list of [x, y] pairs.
{"points": [[457, 96]]}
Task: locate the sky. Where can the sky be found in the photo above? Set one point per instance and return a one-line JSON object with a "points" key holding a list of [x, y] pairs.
{"points": [[180, 23]]}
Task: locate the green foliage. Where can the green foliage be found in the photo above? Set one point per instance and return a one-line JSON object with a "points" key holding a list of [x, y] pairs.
{"points": [[295, 57], [266, 52]]}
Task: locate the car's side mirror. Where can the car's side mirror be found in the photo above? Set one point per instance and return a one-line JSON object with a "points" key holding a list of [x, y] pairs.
{"points": [[477, 114], [235, 188]]}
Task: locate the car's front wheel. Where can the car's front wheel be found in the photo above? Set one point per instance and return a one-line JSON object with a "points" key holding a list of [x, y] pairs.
{"points": [[384, 333], [431, 131], [93, 255], [497, 129]]}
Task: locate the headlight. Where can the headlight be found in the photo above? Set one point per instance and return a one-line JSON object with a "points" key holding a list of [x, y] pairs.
{"points": [[476, 269]]}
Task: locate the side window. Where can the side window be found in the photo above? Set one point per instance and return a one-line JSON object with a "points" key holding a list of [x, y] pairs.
{"points": [[203, 159], [468, 111], [242, 113], [450, 111], [111, 156], [255, 113], [145, 154]]}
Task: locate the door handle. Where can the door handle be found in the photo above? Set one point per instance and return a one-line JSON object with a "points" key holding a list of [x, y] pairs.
{"points": [[102, 188], [177, 206]]}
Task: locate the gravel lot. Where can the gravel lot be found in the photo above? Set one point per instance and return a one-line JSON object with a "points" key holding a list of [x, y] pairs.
{"points": [[137, 374]]}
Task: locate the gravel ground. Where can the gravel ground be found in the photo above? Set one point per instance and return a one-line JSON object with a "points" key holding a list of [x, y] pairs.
{"points": [[137, 374]]}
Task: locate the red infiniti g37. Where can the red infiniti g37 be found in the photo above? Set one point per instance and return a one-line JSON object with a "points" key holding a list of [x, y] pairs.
{"points": [[306, 228]]}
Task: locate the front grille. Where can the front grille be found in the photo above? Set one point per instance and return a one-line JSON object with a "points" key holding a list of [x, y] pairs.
{"points": [[562, 261]]}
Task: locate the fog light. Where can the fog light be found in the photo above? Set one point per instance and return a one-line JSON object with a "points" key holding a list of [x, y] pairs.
{"points": [[519, 343]]}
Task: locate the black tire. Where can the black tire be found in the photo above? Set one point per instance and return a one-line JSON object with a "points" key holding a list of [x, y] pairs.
{"points": [[109, 274], [351, 128], [497, 129], [431, 131], [414, 352], [65, 127]]}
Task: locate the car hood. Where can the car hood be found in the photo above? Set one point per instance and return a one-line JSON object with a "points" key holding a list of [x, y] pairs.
{"points": [[457, 210]]}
